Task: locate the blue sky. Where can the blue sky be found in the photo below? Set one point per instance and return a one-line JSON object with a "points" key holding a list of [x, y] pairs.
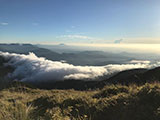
{"points": [[80, 21]]}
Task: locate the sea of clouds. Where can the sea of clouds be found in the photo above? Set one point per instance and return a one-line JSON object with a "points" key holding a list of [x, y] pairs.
{"points": [[38, 69]]}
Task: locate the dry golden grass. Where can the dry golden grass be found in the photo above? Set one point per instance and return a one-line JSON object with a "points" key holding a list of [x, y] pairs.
{"points": [[110, 103]]}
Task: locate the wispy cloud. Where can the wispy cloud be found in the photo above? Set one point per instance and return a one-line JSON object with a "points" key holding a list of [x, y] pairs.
{"points": [[75, 37], [4, 23]]}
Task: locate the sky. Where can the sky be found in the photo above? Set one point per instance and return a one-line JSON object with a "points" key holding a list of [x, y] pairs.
{"points": [[80, 21]]}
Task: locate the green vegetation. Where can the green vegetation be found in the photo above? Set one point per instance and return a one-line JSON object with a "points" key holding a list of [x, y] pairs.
{"points": [[113, 102]]}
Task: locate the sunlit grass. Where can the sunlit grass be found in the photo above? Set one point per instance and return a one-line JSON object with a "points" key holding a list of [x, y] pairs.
{"points": [[110, 103]]}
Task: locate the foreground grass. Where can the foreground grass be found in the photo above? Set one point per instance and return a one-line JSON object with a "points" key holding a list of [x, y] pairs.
{"points": [[113, 102]]}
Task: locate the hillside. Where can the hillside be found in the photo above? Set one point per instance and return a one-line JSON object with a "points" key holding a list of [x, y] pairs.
{"points": [[138, 76], [113, 102]]}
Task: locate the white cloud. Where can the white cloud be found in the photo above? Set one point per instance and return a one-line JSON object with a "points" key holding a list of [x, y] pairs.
{"points": [[35, 69], [4, 23], [140, 61], [31, 68]]}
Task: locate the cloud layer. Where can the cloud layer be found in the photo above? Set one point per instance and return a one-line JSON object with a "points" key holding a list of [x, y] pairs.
{"points": [[37, 69]]}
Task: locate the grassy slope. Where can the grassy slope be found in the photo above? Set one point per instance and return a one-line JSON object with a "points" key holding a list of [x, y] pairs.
{"points": [[113, 102]]}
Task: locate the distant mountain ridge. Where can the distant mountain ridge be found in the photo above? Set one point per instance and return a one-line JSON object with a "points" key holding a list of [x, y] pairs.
{"points": [[92, 58]]}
